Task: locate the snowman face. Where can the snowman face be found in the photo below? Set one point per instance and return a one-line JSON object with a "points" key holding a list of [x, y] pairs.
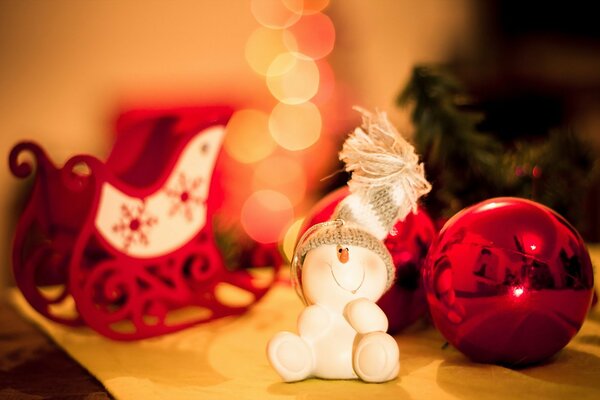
{"points": [[334, 275]]}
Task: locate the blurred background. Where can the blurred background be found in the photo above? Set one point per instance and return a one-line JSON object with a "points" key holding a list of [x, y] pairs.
{"points": [[293, 69]]}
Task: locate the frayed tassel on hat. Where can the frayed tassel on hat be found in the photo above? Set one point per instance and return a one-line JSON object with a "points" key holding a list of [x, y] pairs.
{"points": [[379, 158]]}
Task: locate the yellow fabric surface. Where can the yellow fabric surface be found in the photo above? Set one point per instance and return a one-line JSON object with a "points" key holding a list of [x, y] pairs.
{"points": [[226, 359]]}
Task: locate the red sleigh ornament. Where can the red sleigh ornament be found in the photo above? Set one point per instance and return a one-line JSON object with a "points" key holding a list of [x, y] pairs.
{"points": [[127, 247]]}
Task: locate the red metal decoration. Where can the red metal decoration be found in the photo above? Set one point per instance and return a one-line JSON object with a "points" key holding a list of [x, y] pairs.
{"points": [[508, 281], [127, 246], [404, 303]]}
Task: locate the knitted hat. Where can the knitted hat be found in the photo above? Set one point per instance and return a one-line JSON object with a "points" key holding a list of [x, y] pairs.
{"points": [[386, 182]]}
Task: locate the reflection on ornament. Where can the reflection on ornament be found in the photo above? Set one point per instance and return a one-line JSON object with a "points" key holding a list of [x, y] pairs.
{"points": [[518, 291], [508, 281]]}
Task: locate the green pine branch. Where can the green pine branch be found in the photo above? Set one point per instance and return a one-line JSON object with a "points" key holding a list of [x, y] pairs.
{"points": [[466, 165]]}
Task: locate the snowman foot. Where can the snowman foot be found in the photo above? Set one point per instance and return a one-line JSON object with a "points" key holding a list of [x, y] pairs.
{"points": [[290, 356], [377, 358]]}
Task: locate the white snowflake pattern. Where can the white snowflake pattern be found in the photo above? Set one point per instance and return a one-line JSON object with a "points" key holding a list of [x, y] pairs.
{"points": [[185, 196], [134, 225]]}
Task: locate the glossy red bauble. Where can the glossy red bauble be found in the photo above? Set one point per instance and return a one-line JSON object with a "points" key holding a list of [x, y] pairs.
{"points": [[404, 302], [508, 281]]}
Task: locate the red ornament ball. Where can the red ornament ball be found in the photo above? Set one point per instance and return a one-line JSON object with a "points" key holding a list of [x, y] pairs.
{"points": [[508, 281], [404, 303]]}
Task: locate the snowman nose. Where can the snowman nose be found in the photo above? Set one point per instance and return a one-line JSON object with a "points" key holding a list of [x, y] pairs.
{"points": [[343, 254]]}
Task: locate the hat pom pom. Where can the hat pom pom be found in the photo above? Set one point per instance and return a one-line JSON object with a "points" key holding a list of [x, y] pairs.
{"points": [[381, 160]]}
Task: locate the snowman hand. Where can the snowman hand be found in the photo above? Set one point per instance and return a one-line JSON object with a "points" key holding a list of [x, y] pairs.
{"points": [[313, 322], [365, 316]]}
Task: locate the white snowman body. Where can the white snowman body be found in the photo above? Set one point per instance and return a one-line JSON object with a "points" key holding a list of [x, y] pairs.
{"points": [[341, 333]]}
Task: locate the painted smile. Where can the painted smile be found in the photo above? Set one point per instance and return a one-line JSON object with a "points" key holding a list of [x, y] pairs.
{"points": [[348, 286]]}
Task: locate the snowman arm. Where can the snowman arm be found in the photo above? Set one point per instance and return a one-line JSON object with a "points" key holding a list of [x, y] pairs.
{"points": [[365, 316], [313, 322]]}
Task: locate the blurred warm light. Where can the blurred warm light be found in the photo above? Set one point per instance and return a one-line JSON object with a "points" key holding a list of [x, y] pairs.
{"points": [[295, 127], [292, 78], [313, 36], [276, 13], [314, 6], [265, 215], [263, 46], [290, 238], [289, 50], [282, 64], [283, 174], [247, 138], [326, 83]]}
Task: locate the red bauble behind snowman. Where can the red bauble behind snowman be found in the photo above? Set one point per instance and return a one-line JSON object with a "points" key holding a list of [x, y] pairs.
{"points": [[404, 303]]}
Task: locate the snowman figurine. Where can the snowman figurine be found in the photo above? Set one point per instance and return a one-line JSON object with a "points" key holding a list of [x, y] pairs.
{"points": [[341, 267]]}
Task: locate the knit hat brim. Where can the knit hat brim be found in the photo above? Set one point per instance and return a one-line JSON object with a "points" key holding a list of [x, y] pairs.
{"points": [[338, 232]]}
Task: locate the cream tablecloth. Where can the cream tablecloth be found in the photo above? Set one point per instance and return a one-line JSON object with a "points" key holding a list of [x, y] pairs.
{"points": [[226, 360]]}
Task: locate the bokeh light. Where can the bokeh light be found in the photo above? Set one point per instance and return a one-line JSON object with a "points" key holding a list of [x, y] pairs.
{"points": [[289, 50], [326, 83], [290, 238], [247, 137], [314, 6], [295, 127], [283, 174], [313, 36], [293, 79], [265, 215], [277, 14], [263, 46]]}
